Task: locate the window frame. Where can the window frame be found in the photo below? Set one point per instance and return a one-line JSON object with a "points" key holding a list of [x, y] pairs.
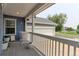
{"points": [[5, 26]]}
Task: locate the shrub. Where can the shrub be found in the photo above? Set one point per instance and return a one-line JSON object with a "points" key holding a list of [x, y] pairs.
{"points": [[69, 29], [77, 31]]}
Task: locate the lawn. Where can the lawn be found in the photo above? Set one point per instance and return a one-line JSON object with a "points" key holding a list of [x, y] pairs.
{"points": [[68, 34]]}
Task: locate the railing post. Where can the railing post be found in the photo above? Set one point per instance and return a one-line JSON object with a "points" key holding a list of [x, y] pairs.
{"points": [[63, 50], [47, 47], [74, 53], [68, 50], [58, 48], [55, 47], [52, 47]]}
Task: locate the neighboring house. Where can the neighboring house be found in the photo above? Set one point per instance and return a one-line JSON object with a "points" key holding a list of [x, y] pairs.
{"points": [[42, 25]]}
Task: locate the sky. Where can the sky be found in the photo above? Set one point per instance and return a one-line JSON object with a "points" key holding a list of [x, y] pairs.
{"points": [[71, 10]]}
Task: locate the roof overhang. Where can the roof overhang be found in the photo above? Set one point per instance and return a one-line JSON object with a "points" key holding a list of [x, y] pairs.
{"points": [[24, 9], [45, 24]]}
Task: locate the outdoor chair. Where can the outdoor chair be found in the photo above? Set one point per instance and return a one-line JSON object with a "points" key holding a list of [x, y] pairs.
{"points": [[25, 43]]}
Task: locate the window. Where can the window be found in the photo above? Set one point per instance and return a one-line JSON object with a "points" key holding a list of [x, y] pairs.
{"points": [[10, 26]]}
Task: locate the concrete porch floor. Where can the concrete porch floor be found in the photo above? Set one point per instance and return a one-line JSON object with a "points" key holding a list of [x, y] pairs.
{"points": [[16, 49]]}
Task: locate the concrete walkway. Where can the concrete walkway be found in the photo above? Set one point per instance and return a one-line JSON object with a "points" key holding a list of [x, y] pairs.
{"points": [[16, 49]]}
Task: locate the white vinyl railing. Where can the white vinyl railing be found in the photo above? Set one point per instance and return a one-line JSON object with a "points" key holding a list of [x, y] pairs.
{"points": [[55, 46]]}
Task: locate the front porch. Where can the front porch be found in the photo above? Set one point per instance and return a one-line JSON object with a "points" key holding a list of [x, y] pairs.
{"points": [[13, 20], [45, 44]]}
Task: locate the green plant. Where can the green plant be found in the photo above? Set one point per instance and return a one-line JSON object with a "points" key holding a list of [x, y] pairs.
{"points": [[77, 29], [69, 29], [59, 19]]}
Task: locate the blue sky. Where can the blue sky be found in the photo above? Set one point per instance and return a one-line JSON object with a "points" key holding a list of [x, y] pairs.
{"points": [[71, 10]]}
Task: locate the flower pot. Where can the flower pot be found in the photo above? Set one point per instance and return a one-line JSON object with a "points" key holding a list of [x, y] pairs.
{"points": [[4, 46]]}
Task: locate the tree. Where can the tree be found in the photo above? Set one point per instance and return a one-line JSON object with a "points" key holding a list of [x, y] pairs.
{"points": [[77, 29], [59, 19], [69, 29]]}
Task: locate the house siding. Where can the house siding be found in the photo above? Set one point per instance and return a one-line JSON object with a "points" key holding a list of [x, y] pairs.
{"points": [[20, 25], [1, 29], [47, 30]]}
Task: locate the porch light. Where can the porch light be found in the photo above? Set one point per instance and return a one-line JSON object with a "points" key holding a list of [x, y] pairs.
{"points": [[17, 13]]}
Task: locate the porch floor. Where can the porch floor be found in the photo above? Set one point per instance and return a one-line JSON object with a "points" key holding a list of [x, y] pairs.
{"points": [[16, 49]]}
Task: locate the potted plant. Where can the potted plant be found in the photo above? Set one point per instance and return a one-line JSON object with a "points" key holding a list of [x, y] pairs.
{"points": [[4, 45], [6, 38]]}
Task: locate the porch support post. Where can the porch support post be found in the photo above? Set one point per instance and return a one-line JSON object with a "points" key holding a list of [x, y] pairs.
{"points": [[33, 16], [1, 28]]}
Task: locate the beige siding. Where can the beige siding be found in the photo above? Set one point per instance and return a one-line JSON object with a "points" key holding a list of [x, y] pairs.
{"points": [[42, 30]]}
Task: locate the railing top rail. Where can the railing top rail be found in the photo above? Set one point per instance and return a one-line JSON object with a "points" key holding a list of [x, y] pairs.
{"points": [[68, 41]]}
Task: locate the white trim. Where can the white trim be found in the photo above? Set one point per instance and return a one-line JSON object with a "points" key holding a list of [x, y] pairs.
{"points": [[43, 7], [4, 25]]}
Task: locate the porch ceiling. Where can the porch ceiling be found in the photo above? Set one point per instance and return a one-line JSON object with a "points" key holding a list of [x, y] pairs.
{"points": [[18, 9], [24, 9]]}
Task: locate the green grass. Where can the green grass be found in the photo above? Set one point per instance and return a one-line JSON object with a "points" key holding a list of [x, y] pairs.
{"points": [[68, 34]]}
